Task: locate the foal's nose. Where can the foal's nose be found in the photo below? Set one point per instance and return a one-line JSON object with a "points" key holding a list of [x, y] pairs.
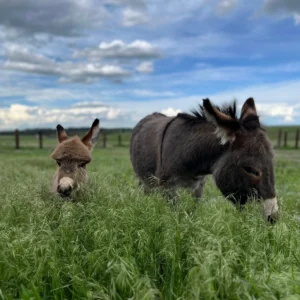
{"points": [[64, 192], [65, 186]]}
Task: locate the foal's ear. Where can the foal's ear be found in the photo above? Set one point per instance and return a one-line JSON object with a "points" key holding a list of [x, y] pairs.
{"points": [[61, 134], [91, 137], [227, 126]]}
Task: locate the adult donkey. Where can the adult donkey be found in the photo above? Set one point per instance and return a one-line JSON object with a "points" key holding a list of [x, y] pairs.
{"points": [[180, 151], [72, 155]]}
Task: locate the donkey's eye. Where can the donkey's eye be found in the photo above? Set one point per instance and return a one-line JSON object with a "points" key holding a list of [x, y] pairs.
{"points": [[82, 165], [58, 163], [252, 171]]}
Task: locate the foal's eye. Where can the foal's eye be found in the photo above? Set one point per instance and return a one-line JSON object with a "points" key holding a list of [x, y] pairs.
{"points": [[58, 163], [252, 171], [81, 165]]}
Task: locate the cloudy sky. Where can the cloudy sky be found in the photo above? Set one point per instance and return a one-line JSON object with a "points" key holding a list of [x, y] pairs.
{"points": [[70, 61]]}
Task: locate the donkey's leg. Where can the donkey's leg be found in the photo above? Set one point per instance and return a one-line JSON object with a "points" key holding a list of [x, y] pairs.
{"points": [[143, 185], [198, 187]]}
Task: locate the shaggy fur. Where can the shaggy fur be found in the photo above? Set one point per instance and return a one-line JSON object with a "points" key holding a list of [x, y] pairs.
{"points": [[73, 149], [72, 155]]}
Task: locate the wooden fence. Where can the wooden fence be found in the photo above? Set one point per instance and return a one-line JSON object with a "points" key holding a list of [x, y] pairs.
{"points": [[280, 138], [19, 140], [283, 140]]}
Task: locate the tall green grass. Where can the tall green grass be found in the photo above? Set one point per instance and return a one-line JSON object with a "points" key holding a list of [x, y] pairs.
{"points": [[114, 242]]}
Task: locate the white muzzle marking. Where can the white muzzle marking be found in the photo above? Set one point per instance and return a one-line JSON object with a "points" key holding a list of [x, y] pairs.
{"points": [[65, 183], [271, 208]]}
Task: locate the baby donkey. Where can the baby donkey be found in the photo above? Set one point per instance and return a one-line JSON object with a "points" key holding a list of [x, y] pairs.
{"points": [[72, 155]]}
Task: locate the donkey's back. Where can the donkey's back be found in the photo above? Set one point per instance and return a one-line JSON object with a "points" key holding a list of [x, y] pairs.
{"points": [[145, 145]]}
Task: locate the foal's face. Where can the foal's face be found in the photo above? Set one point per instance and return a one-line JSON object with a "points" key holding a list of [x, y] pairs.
{"points": [[247, 168], [72, 155], [71, 173]]}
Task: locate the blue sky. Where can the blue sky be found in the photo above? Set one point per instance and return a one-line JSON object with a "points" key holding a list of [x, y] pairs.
{"points": [[71, 61]]}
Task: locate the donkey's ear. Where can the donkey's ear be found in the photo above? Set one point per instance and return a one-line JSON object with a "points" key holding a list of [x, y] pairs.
{"points": [[227, 126], [248, 109], [61, 134], [91, 137], [249, 118]]}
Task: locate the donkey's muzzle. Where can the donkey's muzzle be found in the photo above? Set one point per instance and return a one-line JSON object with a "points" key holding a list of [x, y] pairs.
{"points": [[65, 187], [64, 192], [271, 210]]}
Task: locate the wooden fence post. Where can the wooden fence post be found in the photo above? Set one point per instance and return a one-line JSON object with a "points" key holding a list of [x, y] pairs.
{"points": [[297, 139], [285, 139], [279, 138], [104, 140], [41, 139], [17, 136], [120, 140]]}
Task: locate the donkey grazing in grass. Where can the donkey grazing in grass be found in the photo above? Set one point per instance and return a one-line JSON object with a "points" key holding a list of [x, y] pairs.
{"points": [[180, 151], [72, 155]]}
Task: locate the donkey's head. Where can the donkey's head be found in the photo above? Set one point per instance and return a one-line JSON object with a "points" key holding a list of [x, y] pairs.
{"points": [[246, 169], [72, 155]]}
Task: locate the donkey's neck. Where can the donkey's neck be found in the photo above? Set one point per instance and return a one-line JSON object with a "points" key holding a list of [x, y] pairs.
{"points": [[189, 150], [209, 150]]}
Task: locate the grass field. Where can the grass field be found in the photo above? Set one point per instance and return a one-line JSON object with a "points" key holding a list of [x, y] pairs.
{"points": [[114, 242]]}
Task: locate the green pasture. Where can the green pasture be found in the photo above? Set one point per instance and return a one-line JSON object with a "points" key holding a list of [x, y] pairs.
{"points": [[114, 242]]}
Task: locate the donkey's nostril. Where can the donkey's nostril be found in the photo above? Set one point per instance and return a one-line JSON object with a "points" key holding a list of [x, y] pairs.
{"points": [[68, 191], [64, 192], [65, 186], [271, 220]]}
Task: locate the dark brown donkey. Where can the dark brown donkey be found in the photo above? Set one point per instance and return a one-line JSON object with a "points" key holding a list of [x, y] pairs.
{"points": [[72, 155], [180, 151]]}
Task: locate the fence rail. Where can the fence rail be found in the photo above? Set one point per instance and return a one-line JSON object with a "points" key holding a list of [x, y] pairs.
{"points": [[281, 138], [290, 139], [20, 140]]}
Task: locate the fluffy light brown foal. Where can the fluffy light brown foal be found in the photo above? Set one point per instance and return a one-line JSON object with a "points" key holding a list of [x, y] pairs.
{"points": [[72, 155]]}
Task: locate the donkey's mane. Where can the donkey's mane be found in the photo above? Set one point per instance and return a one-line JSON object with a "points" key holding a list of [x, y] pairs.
{"points": [[198, 116], [251, 122]]}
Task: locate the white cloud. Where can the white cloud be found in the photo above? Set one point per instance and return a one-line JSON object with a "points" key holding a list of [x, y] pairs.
{"points": [[19, 116], [133, 17], [21, 54], [283, 110], [170, 112], [77, 72], [145, 67], [23, 59], [117, 49]]}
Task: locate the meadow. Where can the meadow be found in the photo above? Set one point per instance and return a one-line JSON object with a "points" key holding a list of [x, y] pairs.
{"points": [[114, 242]]}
